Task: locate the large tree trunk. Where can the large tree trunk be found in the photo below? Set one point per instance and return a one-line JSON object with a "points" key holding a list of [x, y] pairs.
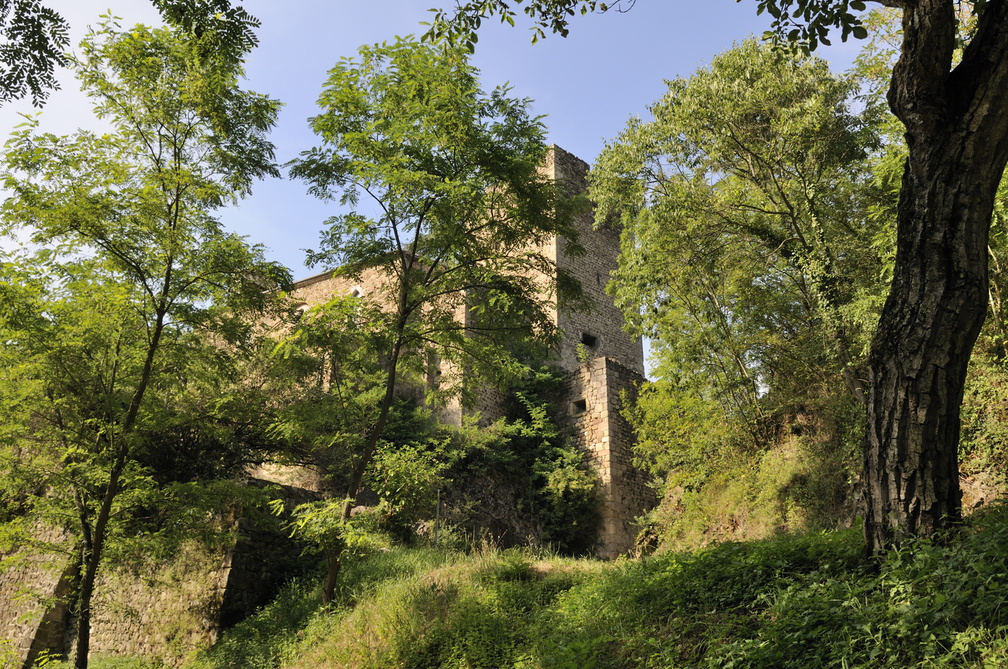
{"points": [[957, 134]]}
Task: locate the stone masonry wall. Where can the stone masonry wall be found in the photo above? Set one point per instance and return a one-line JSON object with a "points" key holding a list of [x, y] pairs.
{"points": [[372, 285], [29, 580], [599, 330], [613, 363], [594, 422], [323, 287], [614, 359], [160, 609], [165, 610]]}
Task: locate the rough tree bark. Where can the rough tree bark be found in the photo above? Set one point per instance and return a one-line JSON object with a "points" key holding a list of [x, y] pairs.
{"points": [[957, 132]]}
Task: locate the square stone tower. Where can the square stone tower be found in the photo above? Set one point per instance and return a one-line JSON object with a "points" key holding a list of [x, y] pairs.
{"points": [[598, 332], [603, 366]]}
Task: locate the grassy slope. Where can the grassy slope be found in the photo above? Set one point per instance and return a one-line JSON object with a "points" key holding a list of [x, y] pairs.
{"points": [[792, 601]]}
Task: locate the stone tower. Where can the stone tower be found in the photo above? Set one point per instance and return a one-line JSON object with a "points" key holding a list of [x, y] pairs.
{"points": [[601, 363]]}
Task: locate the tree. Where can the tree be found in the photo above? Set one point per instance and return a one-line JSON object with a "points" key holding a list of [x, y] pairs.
{"points": [[804, 21], [750, 257], [133, 272], [461, 212], [747, 240], [36, 36], [957, 139]]}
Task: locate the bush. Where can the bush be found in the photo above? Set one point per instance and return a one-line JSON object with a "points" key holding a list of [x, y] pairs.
{"points": [[519, 481], [984, 441]]}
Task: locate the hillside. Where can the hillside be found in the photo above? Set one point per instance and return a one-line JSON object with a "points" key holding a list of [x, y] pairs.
{"points": [[791, 601]]}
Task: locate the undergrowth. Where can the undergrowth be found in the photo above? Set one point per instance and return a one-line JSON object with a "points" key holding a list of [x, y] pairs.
{"points": [[794, 601]]}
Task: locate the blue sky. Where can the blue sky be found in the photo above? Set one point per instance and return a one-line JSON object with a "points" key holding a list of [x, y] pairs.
{"points": [[587, 85]]}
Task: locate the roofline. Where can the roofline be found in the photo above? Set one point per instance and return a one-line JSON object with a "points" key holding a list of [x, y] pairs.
{"points": [[315, 278]]}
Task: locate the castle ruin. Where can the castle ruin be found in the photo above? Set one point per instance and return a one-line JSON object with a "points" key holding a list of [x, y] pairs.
{"points": [[600, 362], [187, 602]]}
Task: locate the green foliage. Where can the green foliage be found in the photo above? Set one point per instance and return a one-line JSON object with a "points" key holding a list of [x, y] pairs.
{"points": [[552, 15], [108, 663], [745, 237], [681, 437], [130, 302], [262, 640], [515, 481], [326, 379], [807, 22], [810, 601], [802, 601], [714, 483], [278, 632], [463, 208], [754, 255], [424, 609], [225, 32], [34, 40], [321, 524], [993, 339], [928, 607], [519, 480], [36, 36], [673, 609], [983, 445], [451, 255], [455, 174], [9, 657], [406, 479]]}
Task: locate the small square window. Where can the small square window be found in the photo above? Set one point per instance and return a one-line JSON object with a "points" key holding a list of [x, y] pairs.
{"points": [[579, 406], [589, 340]]}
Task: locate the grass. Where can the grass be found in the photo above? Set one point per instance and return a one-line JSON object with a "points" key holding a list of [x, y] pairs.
{"points": [[800, 601]]}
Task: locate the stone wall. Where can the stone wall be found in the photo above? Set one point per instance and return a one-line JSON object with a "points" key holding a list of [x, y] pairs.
{"points": [[321, 288], [163, 609], [602, 362], [599, 330], [34, 583], [166, 610], [263, 558], [613, 360], [592, 418]]}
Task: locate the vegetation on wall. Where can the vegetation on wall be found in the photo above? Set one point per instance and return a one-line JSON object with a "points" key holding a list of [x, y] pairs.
{"points": [[516, 481], [519, 481]]}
